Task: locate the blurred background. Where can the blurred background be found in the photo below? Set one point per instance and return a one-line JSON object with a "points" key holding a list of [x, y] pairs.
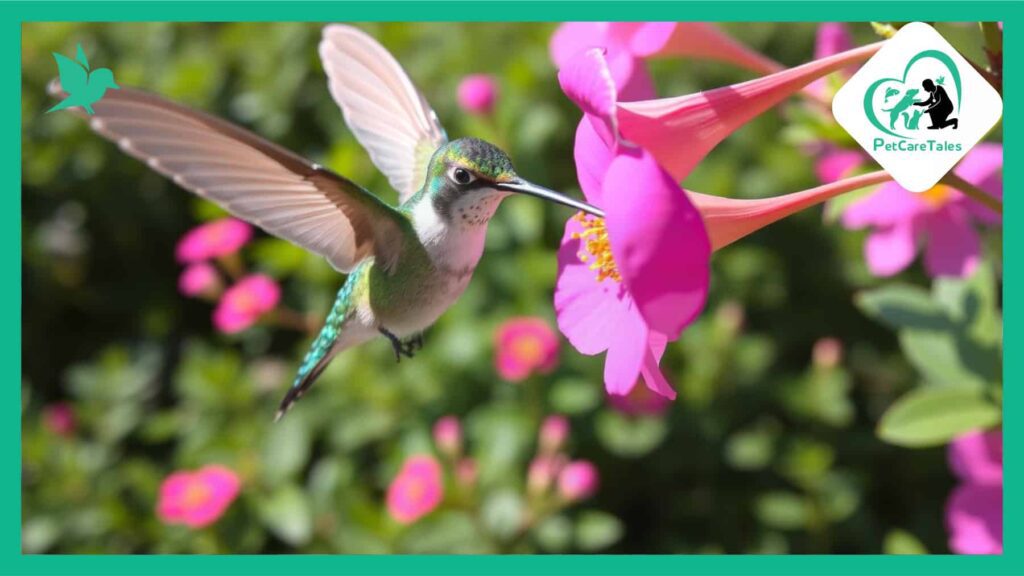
{"points": [[771, 446]]}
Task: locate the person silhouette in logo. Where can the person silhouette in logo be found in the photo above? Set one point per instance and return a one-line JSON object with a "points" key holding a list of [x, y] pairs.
{"points": [[939, 106]]}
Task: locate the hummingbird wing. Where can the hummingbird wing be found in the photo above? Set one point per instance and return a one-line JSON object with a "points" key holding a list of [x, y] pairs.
{"points": [[72, 74], [254, 179], [382, 107]]}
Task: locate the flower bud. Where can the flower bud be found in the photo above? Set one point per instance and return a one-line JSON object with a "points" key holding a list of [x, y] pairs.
{"points": [[477, 94], [542, 473], [448, 436], [828, 353], [577, 481], [466, 472], [553, 433]]}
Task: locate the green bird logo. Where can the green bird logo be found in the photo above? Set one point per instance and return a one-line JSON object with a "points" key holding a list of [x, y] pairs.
{"points": [[84, 87]]}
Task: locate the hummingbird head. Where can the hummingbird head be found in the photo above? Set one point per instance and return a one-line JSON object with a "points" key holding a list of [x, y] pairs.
{"points": [[469, 177], [102, 78]]}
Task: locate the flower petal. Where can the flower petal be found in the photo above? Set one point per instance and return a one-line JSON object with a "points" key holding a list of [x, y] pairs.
{"points": [[890, 204], [593, 156], [571, 38], [833, 165], [650, 371], [974, 517], [954, 248], [977, 457], [889, 251], [658, 241], [983, 167], [587, 80], [588, 311], [698, 40], [626, 350]]}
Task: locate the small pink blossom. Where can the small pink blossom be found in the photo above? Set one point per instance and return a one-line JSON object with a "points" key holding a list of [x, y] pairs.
{"points": [[543, 471], [832, 38], [477, 94], [212, 240], [466, 472], [59, 418], [943, 219], [554, 431], [199, 279], [524, 346], [578, 480], [245, 302], [448, 435], [416, 491], [828, 353], [197, 499], [974, 511]]}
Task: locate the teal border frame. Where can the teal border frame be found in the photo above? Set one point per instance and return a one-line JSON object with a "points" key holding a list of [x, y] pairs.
{"points": [[13, 14]]}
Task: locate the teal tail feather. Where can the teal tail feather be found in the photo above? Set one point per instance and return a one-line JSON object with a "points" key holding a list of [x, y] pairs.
{"points": [[320, 353]]}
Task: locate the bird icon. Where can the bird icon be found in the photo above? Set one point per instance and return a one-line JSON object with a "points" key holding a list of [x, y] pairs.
{"points": [[84, 87], [405, 264]]}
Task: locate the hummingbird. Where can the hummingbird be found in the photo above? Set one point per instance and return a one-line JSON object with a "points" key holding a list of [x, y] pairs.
{"points": [[84, 87], [405, 265]]}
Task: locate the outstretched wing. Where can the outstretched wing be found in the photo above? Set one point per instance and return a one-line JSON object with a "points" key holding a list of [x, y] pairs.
{"points": [[385, 112], [72, 74], [253, 178]]}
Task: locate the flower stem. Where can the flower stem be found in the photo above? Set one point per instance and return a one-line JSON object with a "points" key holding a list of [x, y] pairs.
{"points": [[287, 318], [973, 192]]}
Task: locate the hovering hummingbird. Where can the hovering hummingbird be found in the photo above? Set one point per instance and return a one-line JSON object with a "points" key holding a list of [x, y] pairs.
{"points": [[84, 87], [405, 265]]}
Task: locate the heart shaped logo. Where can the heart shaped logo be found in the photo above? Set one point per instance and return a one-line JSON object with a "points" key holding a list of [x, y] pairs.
{"points": [[930, 86]]}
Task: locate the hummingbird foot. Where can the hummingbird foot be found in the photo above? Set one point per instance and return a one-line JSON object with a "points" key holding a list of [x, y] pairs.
{"points": [[407, 348]]}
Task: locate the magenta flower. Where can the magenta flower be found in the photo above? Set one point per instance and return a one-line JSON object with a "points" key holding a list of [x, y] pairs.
{"points": [[212, 240], [577, 480], [197, 499], [554, 431], [974, 511], [245, 302], [942, 218], [524, 346], [640, 401], [448, 435], [59, 418], [416, 491], [627, 43], [477, 94], [199, 279], [834, 164]]}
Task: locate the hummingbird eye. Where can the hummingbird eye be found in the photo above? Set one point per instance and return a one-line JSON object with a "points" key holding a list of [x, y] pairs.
{"points": [[461, 176]]}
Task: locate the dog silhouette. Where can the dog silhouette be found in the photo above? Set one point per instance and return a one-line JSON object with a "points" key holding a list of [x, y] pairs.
{"points": [[899, 107]]}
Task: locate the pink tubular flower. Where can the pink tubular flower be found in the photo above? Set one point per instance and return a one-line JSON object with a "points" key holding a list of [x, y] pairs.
{"points": [[416, 491], [578, 480], [199, 279], [243, 303], [477, 94], [448, 435], [942, 217], [213, 239], [627, 43], [974, 511], [199, 498], [525, 345], [554, 431], [59, 418]]}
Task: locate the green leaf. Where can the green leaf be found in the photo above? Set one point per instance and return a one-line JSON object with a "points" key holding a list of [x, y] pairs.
{"points": [[502, 513], [554, 534], [597, 530], [902, 542], [444, 533], [940, 358], [286, 450], [783, 510], [287, 514], [575, 396], [934, 416], [901, 306], [628, 436]]}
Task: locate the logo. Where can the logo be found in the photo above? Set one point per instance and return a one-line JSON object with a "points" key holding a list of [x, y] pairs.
{"points": [[84, 87], [917, 107]]}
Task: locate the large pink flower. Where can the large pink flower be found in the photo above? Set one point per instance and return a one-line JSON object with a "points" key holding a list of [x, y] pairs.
{"points": [[199, 498], [245, 302], [942, 217], [524, 346], [974, 512], [213, 239], [627, 43], [416, 491]]}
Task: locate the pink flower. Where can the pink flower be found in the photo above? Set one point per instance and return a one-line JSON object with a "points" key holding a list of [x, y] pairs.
{"points": [[416, 491], [554, 431], [59, 418], [640, 401], [578, 480], [199, 498], [974, 511], [836, 163], [828, 353], [942, 218], [525, 345], [542, 472], [832, 38], [199, 279], [243, 303], [448, 435], [213, 239], [627, 43], [477, 94], [466, 472]]}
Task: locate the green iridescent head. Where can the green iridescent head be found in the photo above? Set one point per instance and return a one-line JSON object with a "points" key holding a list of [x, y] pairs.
{"points": [[467, 179]]}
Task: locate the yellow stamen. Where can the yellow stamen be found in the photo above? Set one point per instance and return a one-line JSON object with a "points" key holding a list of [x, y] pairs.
{"points": [[597, 250], [937, 195], [196, 494]]}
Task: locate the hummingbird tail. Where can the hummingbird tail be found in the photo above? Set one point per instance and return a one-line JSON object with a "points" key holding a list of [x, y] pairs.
{"points": [[302, 383]]}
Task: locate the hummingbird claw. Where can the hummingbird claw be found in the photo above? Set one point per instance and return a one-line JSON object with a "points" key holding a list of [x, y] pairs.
{"points": [[407, 349]]}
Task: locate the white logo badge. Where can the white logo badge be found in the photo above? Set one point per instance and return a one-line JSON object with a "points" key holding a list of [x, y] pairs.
{"points": [[917, 107]]}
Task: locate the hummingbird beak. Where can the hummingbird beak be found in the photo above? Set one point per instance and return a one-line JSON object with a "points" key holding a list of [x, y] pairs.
{"points": [[524, 187]]}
